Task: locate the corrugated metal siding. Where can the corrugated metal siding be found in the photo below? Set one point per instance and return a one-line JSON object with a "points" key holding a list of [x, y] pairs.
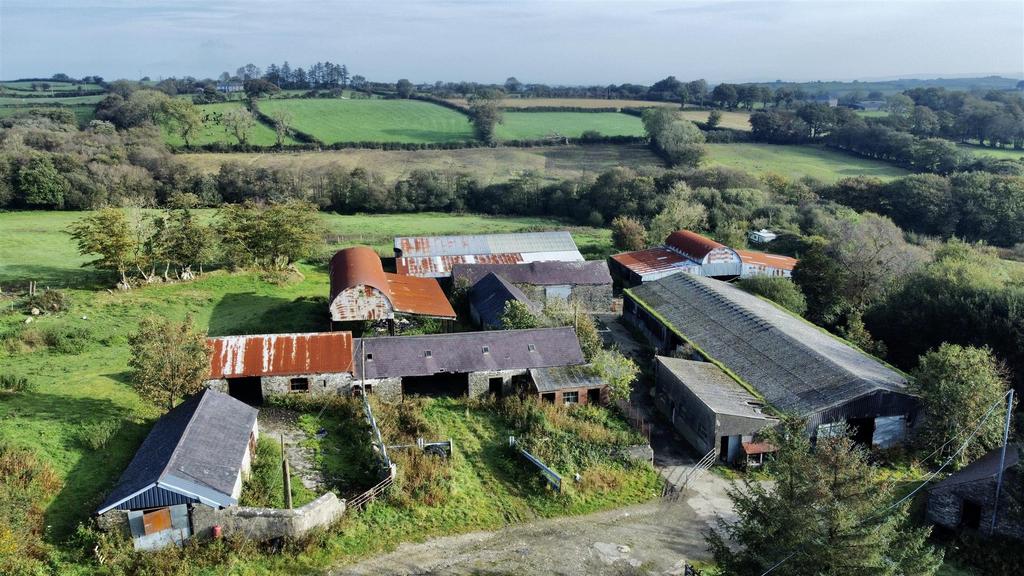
{"points": [[880, 403], [484, 244], [155, 497], [281, 354]]}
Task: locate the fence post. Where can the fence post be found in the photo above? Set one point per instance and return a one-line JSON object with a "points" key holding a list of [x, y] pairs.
{"points": [[287, 476]]}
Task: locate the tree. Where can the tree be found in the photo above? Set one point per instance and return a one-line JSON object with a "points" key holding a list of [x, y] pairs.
{"points": [[558, 312], [518, 316], [618, 372], [678, 139], [485, 114], [257, 87], [239, 122], [512, 85], [957, 385], [714, 119], [628, 234], [269, 237], [404, 88], [39, 184], [169, 360], [819, 276], [782, 291], [725, 95], [826, 514], [900, 108], [924, 122], [183, 117], [282, 118], [109, 234], [180, 241], [681, 212]]}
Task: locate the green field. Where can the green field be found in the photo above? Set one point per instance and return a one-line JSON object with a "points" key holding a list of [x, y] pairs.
{"points": [[798, 161], [1000, 153], [537, 125], [64, 100], [375, 120], [213, 131], [26, 86]]}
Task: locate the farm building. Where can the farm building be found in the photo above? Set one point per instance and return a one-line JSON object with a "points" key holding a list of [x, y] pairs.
{"points": [[966, 499], [434, 256], [794, 366], [761, 236], [251, 367], [869, 105], [567, 385], [362, 290], [488, 297], [587, 283], [196, 455], [689, 252], [466, 363], [707, 407]]}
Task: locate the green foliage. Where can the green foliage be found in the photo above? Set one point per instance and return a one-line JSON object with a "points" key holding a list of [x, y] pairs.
{"points": [[49, 300], [95, 435], [618, 371], [265, 486], [26, 484], [957, 386], [518, 316], [40, 184], [269, 237], [681, 212], [107, 233], [558, 312], [782, 291], [628, 234], [678, 139], [178, 240], [824, 515], [15, 383], [485, 113], [169, 360]]}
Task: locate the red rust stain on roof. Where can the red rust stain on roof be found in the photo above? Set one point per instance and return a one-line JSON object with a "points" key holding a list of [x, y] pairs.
{"points": [[770, 260], [754, 448], [422, 296], [360, 266], [442, 265], [692, 244], [356, 266], [281, 354], [651, 260]]}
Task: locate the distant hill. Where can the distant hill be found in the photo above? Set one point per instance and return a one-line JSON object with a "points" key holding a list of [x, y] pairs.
{"points": [[895, 86]]}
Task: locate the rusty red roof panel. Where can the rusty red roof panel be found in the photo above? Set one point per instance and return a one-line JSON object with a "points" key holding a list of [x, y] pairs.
{"points": [[421, 296], [770, 260], [755, 448], [280, 354], [438, 266], [356, 266], [692, 244], [654, 261]]}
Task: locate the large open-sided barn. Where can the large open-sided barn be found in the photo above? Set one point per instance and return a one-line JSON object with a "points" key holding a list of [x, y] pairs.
{"points": [[434, 256], [589, 284], [689, 252], [795, 367], [362, 290], [195, 455], [251, 367]]}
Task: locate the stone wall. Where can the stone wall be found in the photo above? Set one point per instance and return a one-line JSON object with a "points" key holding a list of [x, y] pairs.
{"points": [[591, 298], [480, 382], [263, 524], [946, 503], [387, 389], [332, 384]]}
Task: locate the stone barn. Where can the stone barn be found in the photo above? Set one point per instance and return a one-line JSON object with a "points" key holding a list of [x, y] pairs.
{"points": [[588, 284], [196, 455], [494, 362], [795, 367], [362, 290], [488, 297], [434, 256], [966, 500], [251, 367]]}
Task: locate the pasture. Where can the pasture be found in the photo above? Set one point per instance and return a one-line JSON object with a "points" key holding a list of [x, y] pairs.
{"points": [[733, 120], [999, 153], [513, 103], [798, 161], [54, 87], [333, 120], [538, 125], [214, 131], [7, 99]]}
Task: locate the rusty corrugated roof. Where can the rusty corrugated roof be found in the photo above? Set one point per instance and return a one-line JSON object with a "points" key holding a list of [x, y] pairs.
{"points": [[281, 354], [656, 262], [692, 244], [439, 266], [421, 296], [509, 243], [770, 260], [356, 266], [360, 266]]}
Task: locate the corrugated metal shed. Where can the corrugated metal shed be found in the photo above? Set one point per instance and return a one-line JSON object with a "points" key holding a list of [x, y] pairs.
{"points": [[768, 260], [193, 453], [655, 263], [400, 356], [512, 243], [281, 354], [692, 244], [362, 290], [593, 273], [489, 296], [797, 367]]}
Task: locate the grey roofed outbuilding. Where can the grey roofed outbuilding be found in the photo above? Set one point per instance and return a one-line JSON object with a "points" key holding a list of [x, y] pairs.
{"points": [[716, 389], [983, 468], [546, 273], [564, 377], [489, 295], [522, 242], [795, 366], [462, 352], [194, 453]]}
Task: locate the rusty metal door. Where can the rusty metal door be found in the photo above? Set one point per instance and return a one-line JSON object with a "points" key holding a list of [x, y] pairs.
{"points": [[156, 520]]}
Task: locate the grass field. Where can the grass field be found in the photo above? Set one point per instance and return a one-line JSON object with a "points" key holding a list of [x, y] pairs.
{"points": [[213, 131], [63, 100], [1001, 153], [55, 87], [734, 120], [513, 103], [335, 120], [536, 125], [798, 161]]}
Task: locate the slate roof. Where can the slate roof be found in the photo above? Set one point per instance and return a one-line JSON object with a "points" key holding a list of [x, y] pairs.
{"points": [[594, 272], [280, 354], [199, 446], [716, 389], [489, 295], [794, 365], [564, 378], [983, 468], [398, 356]]}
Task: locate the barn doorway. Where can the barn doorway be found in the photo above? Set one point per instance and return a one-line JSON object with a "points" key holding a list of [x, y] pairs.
{"points": [[862, 429], [496, 386], [970, 515], [444, 384], [594, 396], [248, 390]]}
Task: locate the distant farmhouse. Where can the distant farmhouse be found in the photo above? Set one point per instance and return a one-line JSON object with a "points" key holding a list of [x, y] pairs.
{"points": [[692, 253], [826, 99], [362, 290], [230, 87], [589, 284], [435, 256], [785, 363], [195, 455], [966, 499]]}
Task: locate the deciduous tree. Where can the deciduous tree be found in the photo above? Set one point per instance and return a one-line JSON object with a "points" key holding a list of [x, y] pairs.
{"points": [[109, 234], [169, 360], [239, 122], [628, 233]]}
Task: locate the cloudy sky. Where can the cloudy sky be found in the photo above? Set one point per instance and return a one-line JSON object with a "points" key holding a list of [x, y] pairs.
{"points": [[553, 41]]}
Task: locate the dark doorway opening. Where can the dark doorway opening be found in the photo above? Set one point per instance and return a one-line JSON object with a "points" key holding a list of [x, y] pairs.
{"points": [[863, 430], [723, 448], [594, 396], [548, 397], [970, 515], [248, 390], [496, 386], [436, 385]]}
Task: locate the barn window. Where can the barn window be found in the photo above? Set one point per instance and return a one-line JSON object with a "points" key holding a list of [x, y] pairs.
{"points": [[368, 389], [571, 397], [426, 353], [531, 347], [299, 385], [369, 356], [486, 349]]}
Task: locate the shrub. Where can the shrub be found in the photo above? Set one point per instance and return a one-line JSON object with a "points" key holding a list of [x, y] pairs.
{"points": [[49, 301], [12, 383], [66, 339], [25, 484], [95, 435]]}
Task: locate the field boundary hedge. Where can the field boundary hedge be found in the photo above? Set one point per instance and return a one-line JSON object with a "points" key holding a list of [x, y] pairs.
{"points": [[220, 147], [293, 132]]}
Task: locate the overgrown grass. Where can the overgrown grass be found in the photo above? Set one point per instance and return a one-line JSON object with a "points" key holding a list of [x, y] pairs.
{"points": [[265, 486]]}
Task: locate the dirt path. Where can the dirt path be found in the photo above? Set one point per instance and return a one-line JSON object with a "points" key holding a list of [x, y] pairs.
{"points": [[276, 423]]}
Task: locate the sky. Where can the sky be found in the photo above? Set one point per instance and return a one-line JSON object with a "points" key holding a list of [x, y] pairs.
{"points": [[551, 41]]}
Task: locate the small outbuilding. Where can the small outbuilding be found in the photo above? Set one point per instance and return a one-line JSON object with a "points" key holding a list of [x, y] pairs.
{"points": [[966, 500], [196, 455], [488, 298], [708, 408], [589, 284], [568, 385]]}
